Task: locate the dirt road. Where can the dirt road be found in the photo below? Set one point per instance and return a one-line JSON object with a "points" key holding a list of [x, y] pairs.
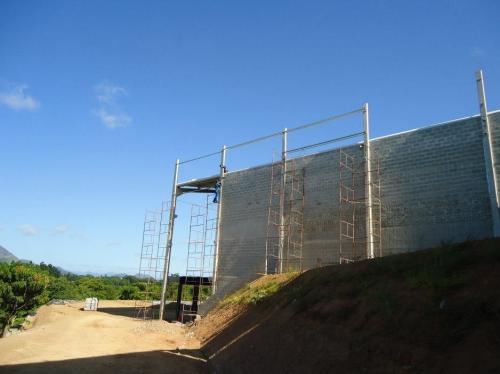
{"points": [[66, 339]]}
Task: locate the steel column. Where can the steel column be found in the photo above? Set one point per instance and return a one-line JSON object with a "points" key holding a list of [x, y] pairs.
{"points": [[281, 244], [370, 252], [489, 156], [219, 216], [170, 234]]}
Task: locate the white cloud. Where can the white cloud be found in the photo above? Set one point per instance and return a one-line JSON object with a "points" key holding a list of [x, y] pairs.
{"points": [[112, 120], [114, 244], [110, 113], [16, 98], [61, 229], [107, 93], [28, 230]]}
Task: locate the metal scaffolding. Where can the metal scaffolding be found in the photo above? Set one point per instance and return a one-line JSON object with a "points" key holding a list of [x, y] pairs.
{"points": [[208, 185], [293, 217], [360, 207], [200, 254], [274, 237], [285, 220], [152, 261]]}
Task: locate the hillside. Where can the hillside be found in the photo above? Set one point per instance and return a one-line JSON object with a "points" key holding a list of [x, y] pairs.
{"points": [[431, 311], [6, 256]]}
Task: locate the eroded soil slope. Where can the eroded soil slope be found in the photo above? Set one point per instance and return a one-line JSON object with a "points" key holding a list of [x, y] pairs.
{"points": [[431, 311]]}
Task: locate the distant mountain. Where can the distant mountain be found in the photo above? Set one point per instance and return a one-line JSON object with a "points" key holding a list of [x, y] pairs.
{"points": [[100, 274], [6, 256]]}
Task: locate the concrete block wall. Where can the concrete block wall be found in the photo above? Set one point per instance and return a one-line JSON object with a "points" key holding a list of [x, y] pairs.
{"points": [[434, 186], [433, 191], [243, 227]]}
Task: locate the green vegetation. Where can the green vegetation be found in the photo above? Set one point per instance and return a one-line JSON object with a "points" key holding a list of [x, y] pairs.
{"points": [[260, 289], [383, 283], [23, 288]]}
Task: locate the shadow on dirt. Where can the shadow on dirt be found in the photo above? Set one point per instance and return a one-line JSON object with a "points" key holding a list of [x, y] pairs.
{"points": [[182, 361], [119, 311], [133, 312]]}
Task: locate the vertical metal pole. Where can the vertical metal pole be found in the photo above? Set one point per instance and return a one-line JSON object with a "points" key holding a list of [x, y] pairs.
{"points": [[284, 148], [170, 234], [219, 217], [284, 144], [204, 245], [489, 156], [368, 187], [142, 245]]}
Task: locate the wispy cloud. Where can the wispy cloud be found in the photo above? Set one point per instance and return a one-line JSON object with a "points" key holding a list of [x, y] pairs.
{"points": [[114, 244], [110, 113], [112, 120], [27, 230], [108, 93], [15, 97], [61, 229]]}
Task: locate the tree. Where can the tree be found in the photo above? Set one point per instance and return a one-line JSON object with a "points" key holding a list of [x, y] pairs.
{"points": [[51, 269], [22, 289], [63, 288], [129, 293]]}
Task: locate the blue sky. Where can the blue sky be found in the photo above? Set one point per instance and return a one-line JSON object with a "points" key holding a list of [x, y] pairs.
{"points": [[98, 99]]}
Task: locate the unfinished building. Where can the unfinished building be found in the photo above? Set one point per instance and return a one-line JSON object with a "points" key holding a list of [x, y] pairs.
{"points": [[363, 198]]}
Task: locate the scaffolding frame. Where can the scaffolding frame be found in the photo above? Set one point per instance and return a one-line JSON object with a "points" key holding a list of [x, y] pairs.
{"points": [[294, 217], [200, 255], [152, 260], [205, 185], [274, 223], [285, 219], [358, 209]]}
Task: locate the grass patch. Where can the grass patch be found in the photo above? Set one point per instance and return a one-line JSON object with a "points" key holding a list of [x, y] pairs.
{"points": [[255, 292], [442, 270]]}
